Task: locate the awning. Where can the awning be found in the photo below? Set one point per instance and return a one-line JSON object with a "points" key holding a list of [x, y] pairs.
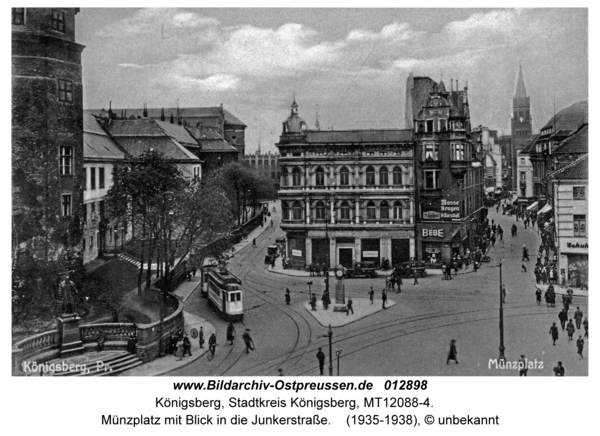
{"points": [[498, 190], [549, 228], [533, 206], [489, 189], [546, 208]]}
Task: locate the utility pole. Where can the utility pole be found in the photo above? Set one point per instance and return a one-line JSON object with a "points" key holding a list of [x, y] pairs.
{"points": [[501, 347], [338, 352], [330, 334]]}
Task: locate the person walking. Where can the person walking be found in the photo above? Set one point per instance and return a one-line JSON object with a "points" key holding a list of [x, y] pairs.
{"points": [[371, 294], [179, 350], [522, 366], [585, 326], [288, 297], [538, 296], [187, 346], [580, 347], [383, 299], [349, 307], [254, 243], [313, 302], [325, 300], [554, 333], [525, 254], [523, 268], [559, 370], [321, 359], [248, 341], [562, 316], [444, 271], [578, 317], [416, 282], [201, 338], [452, 352], [230, 333], [570, 329]]}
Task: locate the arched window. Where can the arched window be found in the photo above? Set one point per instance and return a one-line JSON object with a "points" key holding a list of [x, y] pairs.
{"points": [[320, 215], [397, 210], [297, 211], [296, 176], [320, 177], [344, 176], [285, 210], [384, 211], [371, 211], [370, 176], [383, 176], [397, 176], [285, 180], [345, 211]]}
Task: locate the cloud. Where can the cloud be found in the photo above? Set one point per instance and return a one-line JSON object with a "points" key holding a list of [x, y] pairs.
{"points": [[218, 82], [504, 21], [395, 32]]}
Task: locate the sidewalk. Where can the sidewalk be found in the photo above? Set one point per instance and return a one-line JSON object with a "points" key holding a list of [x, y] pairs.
{"points": [[362, 308], [558, 289]]}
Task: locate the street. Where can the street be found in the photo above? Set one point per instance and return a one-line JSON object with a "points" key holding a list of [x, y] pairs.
{"points": [[411, 338]]}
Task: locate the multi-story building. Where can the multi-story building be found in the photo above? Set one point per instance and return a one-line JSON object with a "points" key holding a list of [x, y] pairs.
{"points": [[347, 195], [449, 173], [494, 160], [47, 130], [521, 127], [525, 179], [266, 164]]}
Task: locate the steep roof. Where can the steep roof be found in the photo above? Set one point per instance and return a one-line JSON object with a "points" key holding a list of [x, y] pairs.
{"points": [[355, 136], [530, 146], [570, 118], [96, 142], [185, 112], [520, 93], [576, 143], [177, 132], [576, 170]]}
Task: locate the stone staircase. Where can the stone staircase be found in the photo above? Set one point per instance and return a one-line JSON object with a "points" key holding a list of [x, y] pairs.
{"points": [[97, 364]]}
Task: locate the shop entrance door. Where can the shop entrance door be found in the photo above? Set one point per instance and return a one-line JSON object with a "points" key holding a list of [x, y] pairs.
{"points": [[345, 256]]}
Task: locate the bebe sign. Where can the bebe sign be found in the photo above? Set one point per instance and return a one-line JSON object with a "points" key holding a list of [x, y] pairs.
{"points": [[439, 233]]}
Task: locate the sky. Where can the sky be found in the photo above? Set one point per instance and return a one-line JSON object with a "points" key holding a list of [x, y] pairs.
{"points": [[348, 65]]}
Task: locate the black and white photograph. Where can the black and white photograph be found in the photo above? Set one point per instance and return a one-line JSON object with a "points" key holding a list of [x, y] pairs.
{"points": [[299, 192]]}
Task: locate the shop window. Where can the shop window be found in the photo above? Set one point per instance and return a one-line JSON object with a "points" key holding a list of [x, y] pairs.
{"points": [[344, 176], [370, 176], [383, 176], [579, 226]]}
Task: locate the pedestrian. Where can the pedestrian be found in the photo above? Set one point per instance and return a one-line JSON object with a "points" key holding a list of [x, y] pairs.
{"points": [[179, 349], [288, 297], [187, 346], [416, 282], [201, 338], [248, 341], [313, 302], [538, 296], [554, 333], [578, 318], [271, 223], [453, 352], [585, 326], [580, 347], [326, 300], [522, 366], [100, 344], [443, 270], [562, 316], [371, 294], [273, 262], [230, 333], [212, 342], [503, 293], [253, 242], [349, 307], [525, 254], [321, 359], [559, 370], [570, 329], [523, 268], [383, 299]]}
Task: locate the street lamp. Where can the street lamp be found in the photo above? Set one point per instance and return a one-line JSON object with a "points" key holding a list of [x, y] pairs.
{"points": [[501, 347], [309, 292], [330, 334], [338, 352]]}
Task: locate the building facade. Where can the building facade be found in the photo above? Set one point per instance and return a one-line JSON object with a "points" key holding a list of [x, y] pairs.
{"points": [[347, 196], [47, 129], [266, 164], [521, 126], [525, 179], [449, 172]]}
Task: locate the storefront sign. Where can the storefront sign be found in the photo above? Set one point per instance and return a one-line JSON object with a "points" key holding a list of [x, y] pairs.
{"points": [[577, 245], [437, 233], [297, 253], [370, 254], [450, 209], [431, 215]]}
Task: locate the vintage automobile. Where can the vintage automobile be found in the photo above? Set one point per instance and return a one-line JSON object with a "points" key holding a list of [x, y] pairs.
{"points": [[272, 253], [361, 269], [410, 269]]}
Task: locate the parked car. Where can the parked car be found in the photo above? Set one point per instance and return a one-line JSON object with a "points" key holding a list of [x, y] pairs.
{"points": [[410, 269], [361, 269], [272, 253]]}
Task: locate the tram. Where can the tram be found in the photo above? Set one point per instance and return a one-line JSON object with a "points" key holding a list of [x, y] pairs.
{"points": [[224, 291]]}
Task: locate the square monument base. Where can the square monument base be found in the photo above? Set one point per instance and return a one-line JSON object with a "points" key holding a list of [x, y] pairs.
{"points": [[70, 338], [340, 308]]}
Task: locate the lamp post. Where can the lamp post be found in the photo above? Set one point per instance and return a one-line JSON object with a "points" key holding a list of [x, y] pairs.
{"points": [[116, 234], [338, 352], [501, 347], [330, 334], [309, 292]]}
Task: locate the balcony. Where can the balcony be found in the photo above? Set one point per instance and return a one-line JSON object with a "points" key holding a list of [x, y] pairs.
{"points": [[431, 164], [459, 167]]}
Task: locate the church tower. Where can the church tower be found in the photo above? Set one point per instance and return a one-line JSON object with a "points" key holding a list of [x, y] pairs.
{"points": [[521, 126]]}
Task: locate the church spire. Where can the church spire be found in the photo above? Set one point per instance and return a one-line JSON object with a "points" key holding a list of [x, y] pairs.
{"points": [[521, 93], [317, 125]]}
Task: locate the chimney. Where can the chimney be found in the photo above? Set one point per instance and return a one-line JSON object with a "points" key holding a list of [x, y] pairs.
{"points": [[171, 120], [162, 114], [145, 110]]}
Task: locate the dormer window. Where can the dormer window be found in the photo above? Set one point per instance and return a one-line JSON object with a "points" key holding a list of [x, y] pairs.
{"points": [[58, 20]]}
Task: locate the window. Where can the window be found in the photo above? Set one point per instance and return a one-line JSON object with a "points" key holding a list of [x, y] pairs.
{"points": [[101, 177], [397, 176], [578, 192], [443, 126], [84, 217], [273, 175], [370, 176], [93, 210], [66, 205], [92, 178], [522, 161], [579, 227], [369, 153], [91, 242], [458, 151], [397, 210], [384, 211], [65, 90], [285, 179], [320, 211], [296, 177], [430, 151], [383, 176], [101, 210], [344, 176], [522, 173], [432, 179], [18, 16], [429, 126], [345, 211], [83, 241], [371, 211], [297, 211], [320, 177], [66, 161], [58, 20]]}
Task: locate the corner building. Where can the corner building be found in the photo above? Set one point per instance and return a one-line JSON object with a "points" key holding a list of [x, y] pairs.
{"points": [[448, 169], [346, 195]]}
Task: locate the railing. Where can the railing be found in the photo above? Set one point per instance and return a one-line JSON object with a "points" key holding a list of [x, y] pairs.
{"points": [[110, 331], [38, 342]]}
